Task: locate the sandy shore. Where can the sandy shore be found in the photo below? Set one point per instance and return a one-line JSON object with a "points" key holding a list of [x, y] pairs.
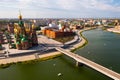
{"points": [[43, 56], [113, 30]]}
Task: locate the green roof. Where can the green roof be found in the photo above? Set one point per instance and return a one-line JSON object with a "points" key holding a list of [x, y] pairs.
{"points": [[18, 42], [21, 23], [24, 39]]}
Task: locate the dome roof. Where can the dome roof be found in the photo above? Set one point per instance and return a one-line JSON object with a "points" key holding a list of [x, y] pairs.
{"points": [[33, 26], [20, 17], [18, 42], [21, 36], [24, 39]]}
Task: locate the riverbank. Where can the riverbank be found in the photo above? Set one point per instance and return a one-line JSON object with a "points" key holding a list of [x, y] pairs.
{"points": [[113, 30], [28, 59], [46, 56], [83, 41]]}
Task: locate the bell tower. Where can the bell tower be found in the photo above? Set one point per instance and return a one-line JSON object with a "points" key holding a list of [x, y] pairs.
{"points": [[21, 24]]}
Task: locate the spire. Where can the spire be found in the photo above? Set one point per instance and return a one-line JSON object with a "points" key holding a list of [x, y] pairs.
{"points": [[21, 23], [20, 16]]}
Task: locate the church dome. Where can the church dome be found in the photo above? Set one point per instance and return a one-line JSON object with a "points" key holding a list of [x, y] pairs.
{"points": [[18, 42], [24, 39]]}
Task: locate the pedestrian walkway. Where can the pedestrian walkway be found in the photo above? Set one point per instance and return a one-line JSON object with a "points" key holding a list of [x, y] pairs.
{"points": [[91, 64]]}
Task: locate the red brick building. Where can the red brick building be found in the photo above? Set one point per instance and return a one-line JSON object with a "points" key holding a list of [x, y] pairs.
{"points": [[51, 33]]}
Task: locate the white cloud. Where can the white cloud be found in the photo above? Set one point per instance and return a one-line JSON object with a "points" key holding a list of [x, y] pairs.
{"points": [[60, 7], [66, 4], [62, 4]]}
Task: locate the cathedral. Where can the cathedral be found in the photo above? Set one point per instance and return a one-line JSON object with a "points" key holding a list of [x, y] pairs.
{"points": [[25, 36]]}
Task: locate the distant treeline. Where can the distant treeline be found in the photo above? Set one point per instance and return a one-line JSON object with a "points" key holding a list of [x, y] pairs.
{"points": [[12, 20]]}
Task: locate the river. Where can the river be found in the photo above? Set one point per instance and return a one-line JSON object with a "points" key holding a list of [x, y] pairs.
{"points": [[103, 47]]}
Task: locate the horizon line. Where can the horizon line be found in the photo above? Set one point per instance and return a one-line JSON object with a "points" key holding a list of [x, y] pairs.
{"points": [[65, 18]]}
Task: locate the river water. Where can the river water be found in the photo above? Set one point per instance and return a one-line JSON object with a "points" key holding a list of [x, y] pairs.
{"points": [[103, 48]]}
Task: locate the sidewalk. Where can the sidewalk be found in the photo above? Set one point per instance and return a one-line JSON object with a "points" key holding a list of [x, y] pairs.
{"points": [[77, 41]]}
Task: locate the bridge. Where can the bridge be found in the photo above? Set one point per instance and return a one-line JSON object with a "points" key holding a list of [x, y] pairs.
{"points": [[93, 65]]}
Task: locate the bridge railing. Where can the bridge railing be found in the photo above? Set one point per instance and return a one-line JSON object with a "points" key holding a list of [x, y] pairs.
{"points": [[103, 70]]}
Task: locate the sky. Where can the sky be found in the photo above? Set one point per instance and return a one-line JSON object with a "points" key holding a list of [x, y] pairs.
{"points": [[60, 8]]}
